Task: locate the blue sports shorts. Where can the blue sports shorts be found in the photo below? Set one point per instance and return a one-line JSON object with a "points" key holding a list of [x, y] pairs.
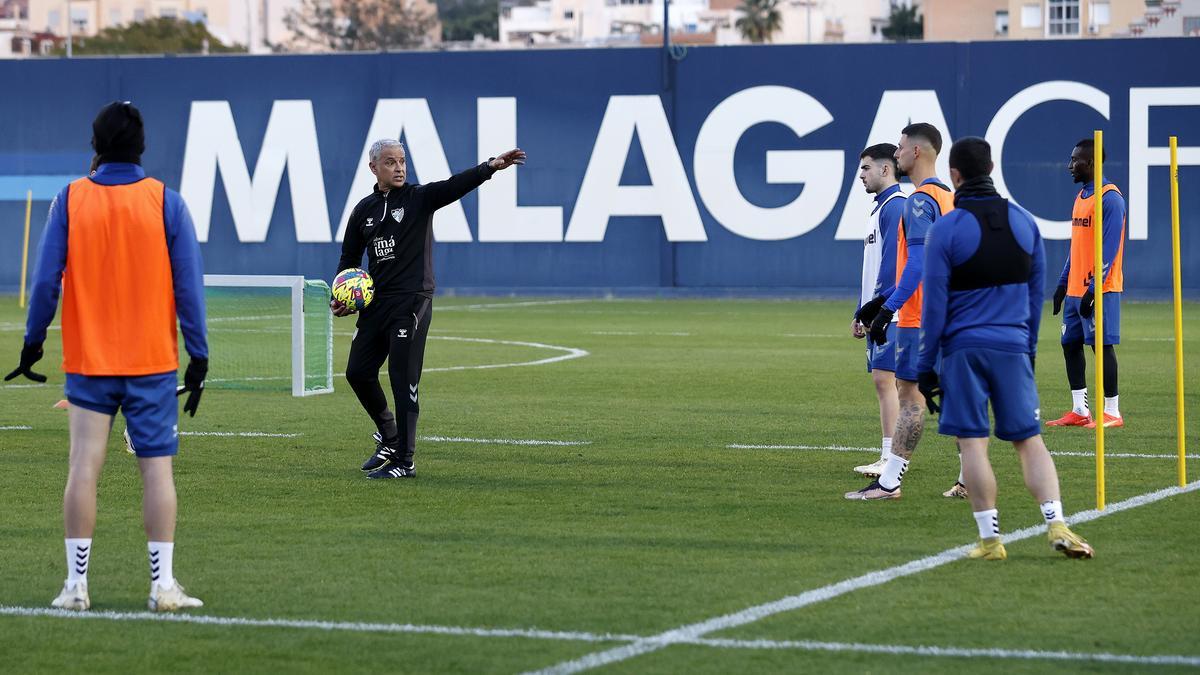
{"points": [[148, 402], [1076, 328], [972, 377], [908, 350], [882, 357]]}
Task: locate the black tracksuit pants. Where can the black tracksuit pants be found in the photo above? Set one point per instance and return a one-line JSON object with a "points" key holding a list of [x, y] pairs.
{"points": [[392, 328]]}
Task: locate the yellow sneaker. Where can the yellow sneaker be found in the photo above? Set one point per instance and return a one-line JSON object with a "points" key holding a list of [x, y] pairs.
{"points": [[170, 598], [74, 598], [1072, 545], [988, 549]]}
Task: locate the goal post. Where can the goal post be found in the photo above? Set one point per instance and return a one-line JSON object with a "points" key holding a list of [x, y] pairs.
{"points": [[254, 317]]}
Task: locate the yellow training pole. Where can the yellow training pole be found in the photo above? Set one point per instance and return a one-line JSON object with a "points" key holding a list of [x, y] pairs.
{"points": [[1181, 440], [1098, 284], [25, 247]]}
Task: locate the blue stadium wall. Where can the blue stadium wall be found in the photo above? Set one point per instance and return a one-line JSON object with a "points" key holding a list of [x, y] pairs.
{"points": [[712, 170]]}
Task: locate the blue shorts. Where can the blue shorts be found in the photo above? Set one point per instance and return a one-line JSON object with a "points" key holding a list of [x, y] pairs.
{"points": [[1076, 328], [148, 401], [882, 357], [971, 377], [908, 350]]}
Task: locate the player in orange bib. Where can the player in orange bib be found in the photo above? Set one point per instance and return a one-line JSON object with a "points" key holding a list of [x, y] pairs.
{"points": [[916, 155], [1075, 295], [122, 250]]}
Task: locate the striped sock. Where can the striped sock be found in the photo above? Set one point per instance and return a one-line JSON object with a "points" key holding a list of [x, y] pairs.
{"points": [[161, 559], [988, 523], [79, 553]]}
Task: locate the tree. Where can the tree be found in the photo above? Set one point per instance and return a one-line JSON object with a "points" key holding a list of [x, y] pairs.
{"points": [[760, 20], [359, 25], [155, 36], [904, 24], [464, 19]]}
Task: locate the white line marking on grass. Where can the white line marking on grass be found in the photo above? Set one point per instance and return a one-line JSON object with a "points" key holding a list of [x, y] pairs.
{"points": [[568, 354], [354, 627], [758, 612], [23, 386], [238, 434], [574, 636], [20, 327], [831, 448], [18, 427], [1120, 455], [499, 441], [812, 335], [1059, 453], [252, 317], [995, 653]]}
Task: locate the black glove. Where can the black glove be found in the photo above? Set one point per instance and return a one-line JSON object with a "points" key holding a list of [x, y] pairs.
{"points": [[1087, 304], [879, 326], [867, 312], [193, 381], [927, 383], [30, 354], [1060, 294]]}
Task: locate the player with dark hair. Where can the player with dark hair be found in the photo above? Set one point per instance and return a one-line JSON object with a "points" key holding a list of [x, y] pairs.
{"points": [[122, 250], [916, 156], [394, 225], [983, 277], [880, 176], [1075, 296]]}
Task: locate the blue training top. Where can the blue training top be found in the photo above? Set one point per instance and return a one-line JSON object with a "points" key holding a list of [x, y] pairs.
{"points": [[1004, 317]]}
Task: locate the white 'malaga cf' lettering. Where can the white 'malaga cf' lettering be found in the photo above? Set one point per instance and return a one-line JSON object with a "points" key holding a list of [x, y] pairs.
{"points": [[290, 143]]}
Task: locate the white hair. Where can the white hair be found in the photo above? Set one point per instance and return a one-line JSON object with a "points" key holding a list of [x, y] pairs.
{"points": [[379, 146]]}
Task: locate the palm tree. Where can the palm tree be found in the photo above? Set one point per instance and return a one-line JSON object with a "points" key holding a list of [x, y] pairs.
{"points": [[760, 20]]}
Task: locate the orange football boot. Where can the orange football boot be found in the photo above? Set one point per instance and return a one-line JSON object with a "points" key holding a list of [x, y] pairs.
{"points": [[1071, 419]]}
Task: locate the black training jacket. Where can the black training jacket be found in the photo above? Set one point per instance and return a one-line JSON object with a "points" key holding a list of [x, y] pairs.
{"points": [[395, 228]]}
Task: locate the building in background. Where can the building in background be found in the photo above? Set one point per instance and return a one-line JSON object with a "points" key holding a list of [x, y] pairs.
{"points": [[964, 20], [257, 24], [614, 22]]}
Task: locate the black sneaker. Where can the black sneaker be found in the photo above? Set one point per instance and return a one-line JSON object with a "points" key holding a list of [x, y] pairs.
{"points": [[395, 470], [383, 455]]}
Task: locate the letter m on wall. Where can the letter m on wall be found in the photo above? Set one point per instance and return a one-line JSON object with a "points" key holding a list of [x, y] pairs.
{"points": [[290, 142]]}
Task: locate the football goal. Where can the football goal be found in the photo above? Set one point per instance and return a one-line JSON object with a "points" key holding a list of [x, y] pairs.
{"points": [[269, 333]]}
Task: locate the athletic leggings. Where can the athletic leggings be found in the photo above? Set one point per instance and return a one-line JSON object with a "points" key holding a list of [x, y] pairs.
{"points": [[394, 329]]}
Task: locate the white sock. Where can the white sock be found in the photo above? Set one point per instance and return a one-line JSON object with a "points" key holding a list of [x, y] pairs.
{"points": [[1079, 402], [1110, 406], [893, 472], [1052, 511], [161, 557], [960, 476], [887, 448], [988, 523], [79, 553]]}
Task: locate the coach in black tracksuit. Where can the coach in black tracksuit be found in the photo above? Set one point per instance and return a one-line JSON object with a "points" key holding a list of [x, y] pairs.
{"points": [[394, 225]]}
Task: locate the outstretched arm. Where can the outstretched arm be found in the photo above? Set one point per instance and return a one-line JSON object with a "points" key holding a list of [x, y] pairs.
{"points": [[454, 188]]}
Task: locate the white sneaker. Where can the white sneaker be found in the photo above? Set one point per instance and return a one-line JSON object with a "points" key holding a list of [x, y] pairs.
{"points": [[74, 598], [170, 598], [872, 470]]}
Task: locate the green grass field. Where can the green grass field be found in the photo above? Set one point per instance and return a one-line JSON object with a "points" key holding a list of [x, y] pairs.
{"points": [[650, 524]]}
